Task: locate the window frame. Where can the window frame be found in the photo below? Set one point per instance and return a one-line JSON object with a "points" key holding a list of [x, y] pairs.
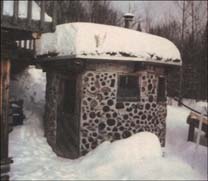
{"points": [[128, 98], [161, 97]]}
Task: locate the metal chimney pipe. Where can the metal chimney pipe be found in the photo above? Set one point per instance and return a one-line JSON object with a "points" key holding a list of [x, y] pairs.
{"points": [[128, 17]]}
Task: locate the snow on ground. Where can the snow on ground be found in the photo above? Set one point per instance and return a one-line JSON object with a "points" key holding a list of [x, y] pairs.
{"points": [[8, 9], [29, 85], [90, 40], [138, 157]]}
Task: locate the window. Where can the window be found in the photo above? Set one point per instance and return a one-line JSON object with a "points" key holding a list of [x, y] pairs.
{"points": [[128, 88], [69, 96], [161, 96]]}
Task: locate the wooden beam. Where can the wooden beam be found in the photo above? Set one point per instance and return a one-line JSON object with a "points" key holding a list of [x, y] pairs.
{"points": [[29, 12], [4, 110], [7, 23], [16, 11], [42, 14]]}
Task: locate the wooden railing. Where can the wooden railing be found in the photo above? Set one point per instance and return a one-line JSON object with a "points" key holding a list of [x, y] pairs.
{"points": [[28, 24], [26, 44]]}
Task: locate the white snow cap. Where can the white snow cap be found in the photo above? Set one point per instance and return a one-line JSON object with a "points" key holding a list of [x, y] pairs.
{"points": [[8, 9], [96, 41]]}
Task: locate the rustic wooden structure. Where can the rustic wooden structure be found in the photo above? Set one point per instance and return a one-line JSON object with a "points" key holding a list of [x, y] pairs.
{"points": [[193, 120], [15, 29], [94, 94]]}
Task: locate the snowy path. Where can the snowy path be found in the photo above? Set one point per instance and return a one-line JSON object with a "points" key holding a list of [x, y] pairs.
{"points": [[34, 159]]}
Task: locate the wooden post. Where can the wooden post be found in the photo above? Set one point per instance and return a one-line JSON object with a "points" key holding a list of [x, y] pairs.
{"points": [[199, 131], [29, 12], [191, 131], [42, 15], [16, 11], [54, 15], [4, 108]]}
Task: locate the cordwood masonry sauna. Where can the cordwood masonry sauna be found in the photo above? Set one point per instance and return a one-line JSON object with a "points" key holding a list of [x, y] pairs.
{"points": [[103, 83]]}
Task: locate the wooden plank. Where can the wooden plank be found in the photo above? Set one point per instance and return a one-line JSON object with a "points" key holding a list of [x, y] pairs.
{"points": [[29, 12], [78, 109], [42, 14], [16, 11], [5, 71], [67, 140], [196, 116]]}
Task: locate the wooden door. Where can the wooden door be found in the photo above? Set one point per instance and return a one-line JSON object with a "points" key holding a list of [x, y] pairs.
{"points": [[68, 121]]}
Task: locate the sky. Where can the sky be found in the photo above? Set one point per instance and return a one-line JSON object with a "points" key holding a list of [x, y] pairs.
{"points": [[159, 9], [160, 12]]}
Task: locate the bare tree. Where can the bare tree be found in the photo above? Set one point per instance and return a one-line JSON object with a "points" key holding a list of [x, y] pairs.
{"points": [[102, 12], [147, 19], [189, 33]]}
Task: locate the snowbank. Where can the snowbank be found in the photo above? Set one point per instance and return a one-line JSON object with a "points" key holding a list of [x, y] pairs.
{"points": [[8, 9], [115, 160], [136, 148], [96, 41], [143, 145]]}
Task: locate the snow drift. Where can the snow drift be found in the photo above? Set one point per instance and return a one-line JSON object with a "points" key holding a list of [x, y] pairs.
{"points": [[96, 41]]}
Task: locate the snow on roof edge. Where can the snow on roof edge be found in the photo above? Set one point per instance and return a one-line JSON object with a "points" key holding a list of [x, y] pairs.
{"points": [[98, 41], [107, 58], [132, 59]]}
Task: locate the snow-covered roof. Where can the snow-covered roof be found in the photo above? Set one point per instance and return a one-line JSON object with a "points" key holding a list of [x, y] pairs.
{"points": [[96, 41], [8, 9]]}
